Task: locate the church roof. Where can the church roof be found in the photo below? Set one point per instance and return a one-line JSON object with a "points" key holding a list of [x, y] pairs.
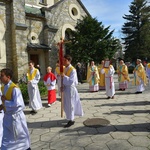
{"points": [[79, 1], [37, 46], [34, 11]]}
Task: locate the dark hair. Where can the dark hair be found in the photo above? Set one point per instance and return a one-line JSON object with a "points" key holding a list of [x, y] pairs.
{"points": [[31, 61], [68, 57], [7, 72]]}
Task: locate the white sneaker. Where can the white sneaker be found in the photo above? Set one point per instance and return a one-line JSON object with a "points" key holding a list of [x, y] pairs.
{"points": [[49, 105]]}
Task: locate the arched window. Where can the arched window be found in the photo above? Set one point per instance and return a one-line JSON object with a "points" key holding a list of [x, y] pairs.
{"points": [[67, 38]]}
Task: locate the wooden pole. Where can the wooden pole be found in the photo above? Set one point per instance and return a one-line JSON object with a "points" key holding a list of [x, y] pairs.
{"points": [[61, 71]]}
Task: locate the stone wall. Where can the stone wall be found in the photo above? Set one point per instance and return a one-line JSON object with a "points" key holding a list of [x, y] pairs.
{"points": [[19, 41], [2, 36], [19, 30], [31, 2], [35, 28], [59, 20]]}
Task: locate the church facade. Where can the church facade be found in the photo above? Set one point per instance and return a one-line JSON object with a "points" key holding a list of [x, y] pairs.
{"points": [[31, 29]]}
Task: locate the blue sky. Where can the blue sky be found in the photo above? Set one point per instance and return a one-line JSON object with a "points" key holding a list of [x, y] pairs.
{"points": [[109, 12]]}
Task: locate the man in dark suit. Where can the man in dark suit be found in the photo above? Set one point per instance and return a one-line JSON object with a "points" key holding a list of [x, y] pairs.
{"points": [[79, 72]]}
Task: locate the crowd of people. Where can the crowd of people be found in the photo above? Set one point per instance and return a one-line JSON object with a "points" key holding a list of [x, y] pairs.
{"points": [[14, 131], [102, 77]]}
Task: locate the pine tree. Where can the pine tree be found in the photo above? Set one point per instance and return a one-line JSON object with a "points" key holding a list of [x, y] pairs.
{"points": [[137, 31], [91, 41]]}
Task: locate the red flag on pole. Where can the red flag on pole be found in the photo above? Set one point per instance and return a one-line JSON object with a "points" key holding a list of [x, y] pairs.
{"points": [[61, 56]]}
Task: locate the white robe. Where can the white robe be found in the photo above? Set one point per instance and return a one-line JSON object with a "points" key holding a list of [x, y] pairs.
{"points": [[72, 103], [15, 130], [1, 121], [140, 87], [58, 82], [52, 84], [109, 82], [34, 95]]}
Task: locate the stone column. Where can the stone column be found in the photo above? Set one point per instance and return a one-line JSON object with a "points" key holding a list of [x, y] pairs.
{"points": [[16, 41]]}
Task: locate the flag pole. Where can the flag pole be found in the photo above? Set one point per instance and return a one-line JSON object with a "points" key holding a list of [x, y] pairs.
{"points": [[61, 71]]}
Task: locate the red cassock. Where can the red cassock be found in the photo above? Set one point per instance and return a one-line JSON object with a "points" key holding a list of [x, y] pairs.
{"points": [[51, 93]]}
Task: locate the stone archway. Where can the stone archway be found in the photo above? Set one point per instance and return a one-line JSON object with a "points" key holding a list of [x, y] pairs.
{"points": [[67, 37], [66, 34]]}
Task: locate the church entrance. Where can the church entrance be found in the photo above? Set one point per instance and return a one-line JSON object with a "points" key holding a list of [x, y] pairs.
{"points": [[35, 59]]}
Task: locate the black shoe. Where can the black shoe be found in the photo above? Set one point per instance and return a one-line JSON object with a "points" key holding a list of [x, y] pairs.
{"points": [[70, 123], [33, 112], [108, 97], [138, 92]]}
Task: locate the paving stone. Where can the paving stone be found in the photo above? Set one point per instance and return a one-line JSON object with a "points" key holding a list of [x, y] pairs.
{"points": [[81, 141], [121, 135], [119, 145], [95, 146], [50, 137], [140, 131], [129, 127], [139, 141], [139, 148], [101, 139]]}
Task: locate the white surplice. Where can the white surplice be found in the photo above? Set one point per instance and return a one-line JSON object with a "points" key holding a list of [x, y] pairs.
{"points": [[58, 82], [33, 90], [72, 103], [109, 82], [15, 130]]}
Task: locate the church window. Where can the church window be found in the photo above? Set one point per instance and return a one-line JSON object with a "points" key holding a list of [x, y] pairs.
{"points": [[33, 37], [42, 1], [74, 11]]}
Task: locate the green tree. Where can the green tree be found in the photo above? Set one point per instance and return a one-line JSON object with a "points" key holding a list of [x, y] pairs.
{"points": [[136, 31], [91, 41]]}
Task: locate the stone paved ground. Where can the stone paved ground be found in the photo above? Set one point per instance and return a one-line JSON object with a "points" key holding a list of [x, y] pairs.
{"points": [[129, 128]]}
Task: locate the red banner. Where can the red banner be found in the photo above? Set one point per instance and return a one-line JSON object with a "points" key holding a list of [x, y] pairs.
{"points": [[61, 56]]}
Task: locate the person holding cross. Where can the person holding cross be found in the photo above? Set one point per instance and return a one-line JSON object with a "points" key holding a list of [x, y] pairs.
{"points": [[72, 104]]}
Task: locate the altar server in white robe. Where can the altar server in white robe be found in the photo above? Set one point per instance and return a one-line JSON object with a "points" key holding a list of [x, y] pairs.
{"points": [[109, 81], [72, 103], [15, 130], [33, 77], [1, 120]]}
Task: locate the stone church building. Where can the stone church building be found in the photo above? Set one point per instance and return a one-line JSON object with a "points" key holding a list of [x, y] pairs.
{"points": [[31, 29]]}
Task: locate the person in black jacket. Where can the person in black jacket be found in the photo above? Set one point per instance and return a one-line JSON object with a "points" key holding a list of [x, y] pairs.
{"points": [[79, 72]]}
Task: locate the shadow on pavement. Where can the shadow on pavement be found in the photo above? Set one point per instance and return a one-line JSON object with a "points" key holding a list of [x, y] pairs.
{"points": [[127, 104], [83, 130], [143, 127], [128, 112], [97, 98], [47, 124]]}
